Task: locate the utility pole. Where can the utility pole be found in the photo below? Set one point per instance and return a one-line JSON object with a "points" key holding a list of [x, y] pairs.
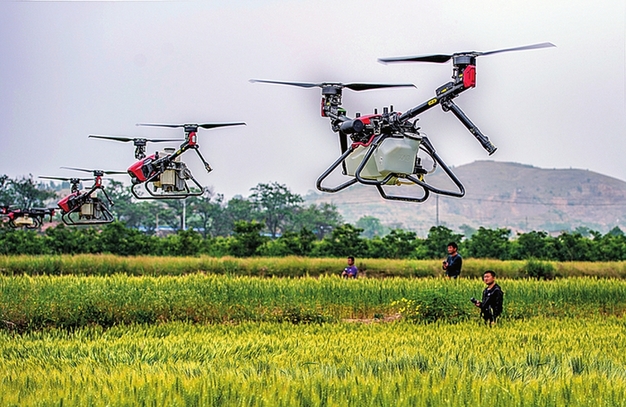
{"points": [[184, 213], [437, 210]]}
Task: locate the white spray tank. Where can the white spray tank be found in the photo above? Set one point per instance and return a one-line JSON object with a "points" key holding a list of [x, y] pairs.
{"points": [[394, 155]]}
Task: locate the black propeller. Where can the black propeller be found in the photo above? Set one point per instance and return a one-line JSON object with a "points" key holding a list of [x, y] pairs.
{"points": [[441, 58], [136, 140], [351, 86], [95, 173], [204, 126], [72, 180]]}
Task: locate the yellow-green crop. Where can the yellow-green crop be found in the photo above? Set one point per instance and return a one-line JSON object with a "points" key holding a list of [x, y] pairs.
{"points": [[537, 362]]}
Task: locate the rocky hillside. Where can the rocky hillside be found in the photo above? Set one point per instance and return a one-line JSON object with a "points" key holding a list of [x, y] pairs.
{"points": [[498, 194]]}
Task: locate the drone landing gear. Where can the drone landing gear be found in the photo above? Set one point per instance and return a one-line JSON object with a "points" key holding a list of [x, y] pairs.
{"points": [[92, 212], [26, 222], [171, 183], [367, 166]]}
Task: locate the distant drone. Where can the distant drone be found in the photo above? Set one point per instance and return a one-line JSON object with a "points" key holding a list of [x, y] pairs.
{"points": [[163, 174], [85, 208], [384, 148], [28, 218]]}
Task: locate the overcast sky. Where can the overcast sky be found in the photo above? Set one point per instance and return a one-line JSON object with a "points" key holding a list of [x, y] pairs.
{"points": [[69, 69]]}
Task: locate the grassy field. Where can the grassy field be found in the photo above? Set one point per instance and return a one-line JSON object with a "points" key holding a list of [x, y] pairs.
{"points": [[104, 265], [536, 362], [30, 303], [202, 339]]}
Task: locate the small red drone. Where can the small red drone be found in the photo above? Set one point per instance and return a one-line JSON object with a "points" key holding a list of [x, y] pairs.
{"points": [[28, 218], [85, 208], [163, 174]]}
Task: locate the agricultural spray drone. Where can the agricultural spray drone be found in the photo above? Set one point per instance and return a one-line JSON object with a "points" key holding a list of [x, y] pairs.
{"points": [[85, 207], [163, 174], [384, 149]]}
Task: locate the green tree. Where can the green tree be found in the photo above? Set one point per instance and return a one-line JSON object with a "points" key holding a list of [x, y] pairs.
{"points": [[7, 196], [489, 244], [610, 247], [400, 244], [318, 219], [371, 226], [247, 238], [18, 241], [208, 214], [574, 247], [345, 240], [28, 194], [437, 241], [61, 239], [533, 245], [182, 243], [118, 239], [239, 209], [289, 244], [276, 204], [138, 214]]}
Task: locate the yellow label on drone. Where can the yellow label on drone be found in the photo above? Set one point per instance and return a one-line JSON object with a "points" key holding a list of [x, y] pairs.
{"points": [[432, 101]]}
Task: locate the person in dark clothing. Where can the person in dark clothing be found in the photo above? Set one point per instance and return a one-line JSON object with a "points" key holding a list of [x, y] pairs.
{"points": [[452, 265], [491, 303], [351, 271]]}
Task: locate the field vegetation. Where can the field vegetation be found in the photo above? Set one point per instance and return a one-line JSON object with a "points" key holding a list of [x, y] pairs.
{"points": [[101, 330], [33, 303], [293, 266], [536, 362]]}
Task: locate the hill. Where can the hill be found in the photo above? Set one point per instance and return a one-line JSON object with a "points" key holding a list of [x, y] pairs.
{"points": [[498, 194]]}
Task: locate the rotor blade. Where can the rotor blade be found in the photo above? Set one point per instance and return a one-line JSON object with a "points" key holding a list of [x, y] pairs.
{"points": [[204, 126], [351, 86], [66, 179], [123, 139], [437, 58], [94, 171], [214, 125], [174, 126], [441, 58], [163, 140], [525, 47], [368, 86], [300, 84], [135, 139], [77, 169]]}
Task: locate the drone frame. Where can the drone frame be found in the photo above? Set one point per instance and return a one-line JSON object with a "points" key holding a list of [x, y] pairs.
{"points": [[35, 215], [148, 172], [81, 208], [371, 131]]}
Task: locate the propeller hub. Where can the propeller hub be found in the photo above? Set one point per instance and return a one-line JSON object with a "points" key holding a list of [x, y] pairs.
{"points": [[464, 59], [331, 90]]}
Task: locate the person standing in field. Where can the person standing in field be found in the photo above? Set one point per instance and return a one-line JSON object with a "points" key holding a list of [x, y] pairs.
{"points": [[350, 271], [491, 303], [452, 265]]}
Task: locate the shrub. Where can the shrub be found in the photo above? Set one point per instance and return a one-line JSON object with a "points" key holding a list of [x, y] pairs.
{"points": [[540, 270]]}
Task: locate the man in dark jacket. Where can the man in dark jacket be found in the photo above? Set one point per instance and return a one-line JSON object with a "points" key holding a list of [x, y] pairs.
{"points": [[491, 303], [452, 265]]}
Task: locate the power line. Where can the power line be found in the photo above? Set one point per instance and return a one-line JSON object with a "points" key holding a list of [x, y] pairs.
{"points": [[547, 203]]}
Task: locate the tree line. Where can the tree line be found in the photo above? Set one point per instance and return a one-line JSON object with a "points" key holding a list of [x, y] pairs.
{"points": [[273, 221]]}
